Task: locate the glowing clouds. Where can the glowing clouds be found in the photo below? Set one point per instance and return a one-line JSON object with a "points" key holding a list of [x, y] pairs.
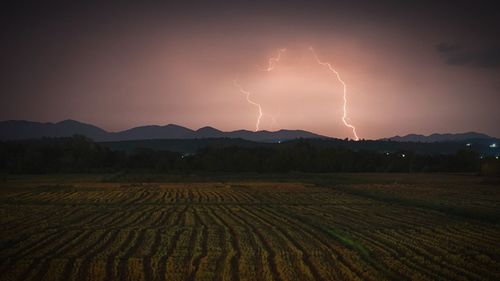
{"points": [[272, 63]]}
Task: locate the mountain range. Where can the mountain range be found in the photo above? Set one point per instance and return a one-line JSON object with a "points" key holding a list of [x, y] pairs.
{"points": [[21, 129], [460, 137]]}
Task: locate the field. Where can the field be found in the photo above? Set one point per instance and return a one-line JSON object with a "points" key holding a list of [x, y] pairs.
{"points": [[329, 227]]}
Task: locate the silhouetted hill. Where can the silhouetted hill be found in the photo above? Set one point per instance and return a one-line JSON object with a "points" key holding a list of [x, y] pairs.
{"points": [[267, 136], [207, 132], [190, 146], [169, 131], [20, 129], [17, 130], [440, 137]]}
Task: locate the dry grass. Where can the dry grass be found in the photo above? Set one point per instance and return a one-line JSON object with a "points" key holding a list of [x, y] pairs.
{"points": [[342, 227]]}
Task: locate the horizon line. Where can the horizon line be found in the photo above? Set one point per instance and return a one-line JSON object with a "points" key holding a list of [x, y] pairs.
{"points": [[251, 131]]}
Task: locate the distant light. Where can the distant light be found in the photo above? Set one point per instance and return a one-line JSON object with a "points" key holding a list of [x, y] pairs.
{"points": [[403, 155], [496, 157], [279, 141], [468, 144], [481, 157], [387, 153], [493, 145]]}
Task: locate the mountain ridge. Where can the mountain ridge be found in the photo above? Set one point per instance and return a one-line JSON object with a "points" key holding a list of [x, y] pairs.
{"points": [[437, 137], [23, 129]]}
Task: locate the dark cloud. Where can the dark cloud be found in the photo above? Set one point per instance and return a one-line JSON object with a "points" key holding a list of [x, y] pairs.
{"points": [[446, 48], [457, 54]]}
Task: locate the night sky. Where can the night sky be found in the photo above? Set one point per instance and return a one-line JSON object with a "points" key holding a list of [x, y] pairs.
{"points": [[409, 68]]}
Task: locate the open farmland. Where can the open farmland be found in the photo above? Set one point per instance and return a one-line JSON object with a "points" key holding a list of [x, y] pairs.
{"points": [[334, 227]]}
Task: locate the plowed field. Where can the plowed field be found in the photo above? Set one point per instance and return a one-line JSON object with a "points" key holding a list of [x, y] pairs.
{"points": [[440, 228]]}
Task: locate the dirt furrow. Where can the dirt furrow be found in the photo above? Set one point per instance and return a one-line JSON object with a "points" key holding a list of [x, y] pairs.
{"points": [[110, 263], [234, 257], [266, 247], [203, 238]]}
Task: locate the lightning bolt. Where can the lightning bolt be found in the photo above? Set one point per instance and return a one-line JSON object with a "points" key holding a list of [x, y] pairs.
{"points": [[247, 94], [344, 116], [274, 60]]}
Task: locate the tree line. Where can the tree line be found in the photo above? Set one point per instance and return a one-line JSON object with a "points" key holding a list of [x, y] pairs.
{"points": [[82, 155]]}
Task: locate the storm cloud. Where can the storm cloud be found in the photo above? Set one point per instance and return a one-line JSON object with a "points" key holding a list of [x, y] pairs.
{"points": [[120, 65], [456, 54]]}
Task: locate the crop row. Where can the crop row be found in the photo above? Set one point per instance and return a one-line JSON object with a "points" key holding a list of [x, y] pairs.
{"points": [[265, 231]]}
